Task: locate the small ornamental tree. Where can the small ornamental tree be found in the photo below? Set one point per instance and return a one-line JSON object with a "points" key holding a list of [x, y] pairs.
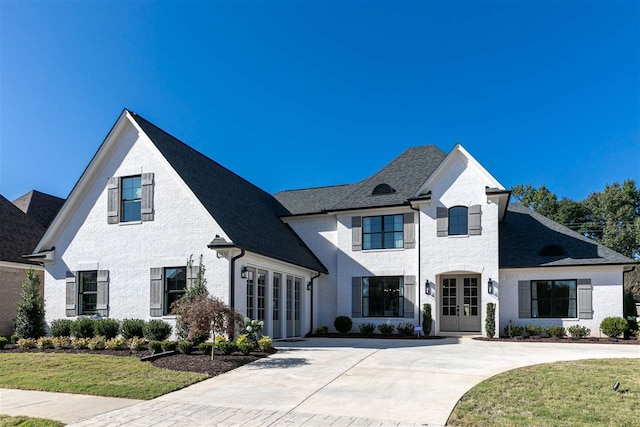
{"points": [[30, 311], [426, 319], [205, 314], [490, 321], [197, 288]]}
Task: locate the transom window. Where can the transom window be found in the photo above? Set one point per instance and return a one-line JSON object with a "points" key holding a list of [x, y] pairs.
{"points": [[553, 298], [175, 285], [458, 221], [382, 296], [88, 291], [382, 232], [131, 198]]}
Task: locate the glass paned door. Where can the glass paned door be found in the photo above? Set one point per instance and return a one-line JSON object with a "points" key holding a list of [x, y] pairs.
{"points": [[460, 303], [449, 304]]}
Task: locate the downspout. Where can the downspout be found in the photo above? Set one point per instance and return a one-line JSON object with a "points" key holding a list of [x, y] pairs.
{"points": [[311, 311], [232, 279], [419, 266]]}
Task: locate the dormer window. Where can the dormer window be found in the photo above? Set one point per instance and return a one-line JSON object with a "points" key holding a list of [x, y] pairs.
{"points": [[552, 250], [382, 189]]}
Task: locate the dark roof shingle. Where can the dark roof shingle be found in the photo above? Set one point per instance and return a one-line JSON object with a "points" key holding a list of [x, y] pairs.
{"points": [[19, 234], [39, 206]]}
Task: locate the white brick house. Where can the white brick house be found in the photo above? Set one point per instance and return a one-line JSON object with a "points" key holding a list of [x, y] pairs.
{"points": [[430, 228]]}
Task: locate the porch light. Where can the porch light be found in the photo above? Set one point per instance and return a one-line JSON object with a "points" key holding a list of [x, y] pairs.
{"points": [[309, 286], [427, 287], [244, 273], [490, 286]]}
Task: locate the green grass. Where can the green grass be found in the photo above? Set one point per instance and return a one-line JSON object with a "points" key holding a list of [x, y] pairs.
{"points": [[19, 421], [98, 375], [575, 393]]}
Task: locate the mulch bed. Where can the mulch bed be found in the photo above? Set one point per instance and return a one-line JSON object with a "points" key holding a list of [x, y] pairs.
{"points": [[380, 336], [590, 340]]}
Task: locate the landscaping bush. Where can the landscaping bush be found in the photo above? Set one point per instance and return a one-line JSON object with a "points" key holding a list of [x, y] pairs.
{"points": [[205, 347], [132, 328], [490, 321], [185, 347], [80, 343], [83, 328], [219, 339], [61, 342], [577, 331], [26, 343], [367, 328], [513, 331], [630, 313], [244, 344], [44, 343], [557, 331], [97, 343], [386, 328], [155, 346], [343, 324], [322, 330], [427, 321], [107, 328], [405, 328], [613, 326], [3, 342], [264, 343], [156, 330], [136, 343], [168, 345], [30, 309], [534, 330], [253, 329], [116, 344], [227, 347], [14, 339], [61, 328]]}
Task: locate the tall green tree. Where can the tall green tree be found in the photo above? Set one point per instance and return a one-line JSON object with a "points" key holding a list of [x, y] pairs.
{"points": [[540, 199], [30, 310]]}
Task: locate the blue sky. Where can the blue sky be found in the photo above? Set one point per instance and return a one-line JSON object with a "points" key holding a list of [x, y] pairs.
{"points": [[300, 94]]}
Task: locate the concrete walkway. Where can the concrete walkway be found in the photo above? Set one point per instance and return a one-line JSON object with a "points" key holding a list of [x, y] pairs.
{"points": [[353, 382]]}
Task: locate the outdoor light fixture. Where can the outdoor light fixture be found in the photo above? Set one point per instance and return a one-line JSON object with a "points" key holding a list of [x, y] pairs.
{"points": [[309, 286], [490, 285], [244, 273], [427, 287]]}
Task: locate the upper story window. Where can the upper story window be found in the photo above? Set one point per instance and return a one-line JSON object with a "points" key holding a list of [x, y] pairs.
{"points": [[553, 298], [175, 285], [382, 232], [88, 292], [131, 198], [458, 221]]}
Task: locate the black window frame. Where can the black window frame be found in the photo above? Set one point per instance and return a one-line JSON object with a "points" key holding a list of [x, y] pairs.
{"points": [[81, 293], [166, 310], [277, 283], [124, 202], [554, 300], [450, 222], [383, 232], [366, 308]]}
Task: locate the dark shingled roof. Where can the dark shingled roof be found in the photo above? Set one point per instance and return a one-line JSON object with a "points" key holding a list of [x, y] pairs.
{"points": [[19, 234], [524, 233], [39, 206], [405, 175], [248, 215]]}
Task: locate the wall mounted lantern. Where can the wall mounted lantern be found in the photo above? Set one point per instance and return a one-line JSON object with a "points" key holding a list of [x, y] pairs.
{"points": [[309, 285], [427, 287], [244, 273], [490, 286]]}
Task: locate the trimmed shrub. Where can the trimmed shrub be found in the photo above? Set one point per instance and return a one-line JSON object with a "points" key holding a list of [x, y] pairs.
{"points": [[136, 343], [3, 342], [156, 330], [219, 339], [107, 328], [227, 347], [577, 331], [83, 328], [14, 339], [155, 346], [26, 343], [386, 328], [557, 331], [513, 331], [367, 328], [244, 344], [132, 328], [205, 347], [343, 324], [264, 343], [322, 330], [44, 343], [168, 345], [427, 321], [405, 328], [80, 343], [116, 344], [61, 328], [490, 321], [185, 347], [613, 326], [630, 313], [61, 342], [534, 330], [97, 343]]}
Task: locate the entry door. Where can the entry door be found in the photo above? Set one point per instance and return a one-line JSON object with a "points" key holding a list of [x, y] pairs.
{"points": [[460, 303]]}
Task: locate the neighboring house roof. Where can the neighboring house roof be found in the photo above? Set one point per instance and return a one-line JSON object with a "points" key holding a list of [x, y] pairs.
{"points": [[404, 175], [247, 214], [525, 237], [39, 206], [19, 234]]}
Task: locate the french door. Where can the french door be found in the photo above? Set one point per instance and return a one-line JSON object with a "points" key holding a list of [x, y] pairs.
{"points": [[460, 303]]}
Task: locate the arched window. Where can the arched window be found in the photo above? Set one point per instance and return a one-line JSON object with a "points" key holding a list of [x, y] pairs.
{"points": [[458, 221], [382, 189], [552, 250]]}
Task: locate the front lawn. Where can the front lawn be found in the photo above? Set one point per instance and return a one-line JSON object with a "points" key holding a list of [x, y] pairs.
{"points": [[556, 394], [91, 374], [20, 421]]}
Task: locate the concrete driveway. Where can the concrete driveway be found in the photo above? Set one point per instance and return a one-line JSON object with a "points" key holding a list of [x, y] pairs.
{"points": [[349, 382]]}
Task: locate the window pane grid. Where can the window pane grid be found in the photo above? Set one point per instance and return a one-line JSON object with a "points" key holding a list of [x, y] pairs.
{"points": [[88, 289], [382, 297], [175, 285], [131, 198], [383, 232], [554, 298], [276, 296]]}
